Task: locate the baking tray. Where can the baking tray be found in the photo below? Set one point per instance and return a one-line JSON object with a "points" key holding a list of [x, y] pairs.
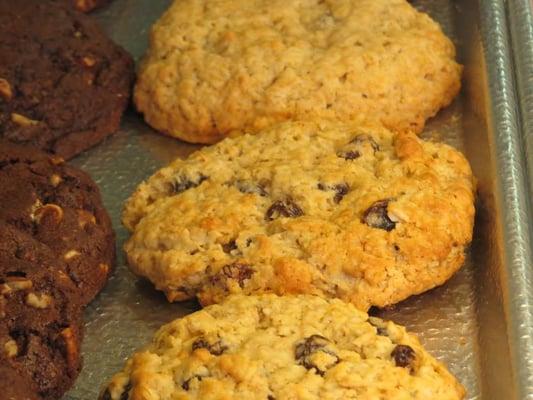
{"points": [[479, 323]]}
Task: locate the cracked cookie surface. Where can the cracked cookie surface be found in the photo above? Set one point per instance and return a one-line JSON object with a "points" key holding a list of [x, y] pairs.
{"points": [[268, 347], [55, 210], [336, 210], [218, 66], [56, 253], [40, 321], [63, 84]]}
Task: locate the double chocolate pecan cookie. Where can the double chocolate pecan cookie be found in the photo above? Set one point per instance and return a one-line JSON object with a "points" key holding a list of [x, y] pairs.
{"points": [[270, 347], [337, 210], [56, 253], [40, 319], [59, 209], [63, 84]]}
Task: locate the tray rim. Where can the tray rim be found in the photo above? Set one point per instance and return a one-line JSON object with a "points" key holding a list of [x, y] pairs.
{"points": [[504, 24]]}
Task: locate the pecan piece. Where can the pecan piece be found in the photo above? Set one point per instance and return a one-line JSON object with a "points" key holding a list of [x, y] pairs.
{"points": [[5, 90]]}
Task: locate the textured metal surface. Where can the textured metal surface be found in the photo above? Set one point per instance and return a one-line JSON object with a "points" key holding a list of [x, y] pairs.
{"points": [[471, 323], [520, 14]]}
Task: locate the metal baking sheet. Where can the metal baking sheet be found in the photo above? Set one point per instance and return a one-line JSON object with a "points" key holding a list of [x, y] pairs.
{"points": [[477, 323]]}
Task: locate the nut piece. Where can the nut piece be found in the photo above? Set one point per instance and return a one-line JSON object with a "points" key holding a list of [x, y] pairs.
{"points": [[35, 206], [38, 300], [85, 217], [71, 254], [15, 285], [56, 160], [70, 346], [22, 120], [2, 307], [84, 5], [104, 268], [5, 89], [10, 348], [49, 212], [55, 180], [88, 61]]}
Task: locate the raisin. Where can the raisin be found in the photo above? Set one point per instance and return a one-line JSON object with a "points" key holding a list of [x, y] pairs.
{"points": [[229, 247], [106, 395], [376, 216], [340, 189], [270, 397], [403, 355], [309, 346], [283, 208], [357, 147], [126, 393], [184, 183], [238, 271], [216, 348]]}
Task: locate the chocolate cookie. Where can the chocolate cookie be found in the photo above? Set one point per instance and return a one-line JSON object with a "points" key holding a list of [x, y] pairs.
{"points": [[58, 210], [40, 328], [56, 253], [63, 84]]}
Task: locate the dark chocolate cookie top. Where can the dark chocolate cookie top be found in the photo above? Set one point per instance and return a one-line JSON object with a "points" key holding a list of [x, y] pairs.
{"points": [[57, 211], [63, 84], [56, 252], [15, 386], [40, 318]]}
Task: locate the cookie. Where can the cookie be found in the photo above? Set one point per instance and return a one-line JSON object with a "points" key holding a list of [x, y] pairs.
{"points": [[271, 347], [55, 211], [40, 321], [336, 210], [218, 66], [63, 84]]}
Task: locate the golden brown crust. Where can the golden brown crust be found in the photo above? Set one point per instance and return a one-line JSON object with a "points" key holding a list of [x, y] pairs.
{"points": [[335, 210], [271, 347], [206, 75]]}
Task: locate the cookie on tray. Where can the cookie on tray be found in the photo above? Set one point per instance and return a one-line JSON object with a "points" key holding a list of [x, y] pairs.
{"points": [[55, 210], [215, 66], [40, 320], [63, 84], [271, 347], [346, 211]]}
